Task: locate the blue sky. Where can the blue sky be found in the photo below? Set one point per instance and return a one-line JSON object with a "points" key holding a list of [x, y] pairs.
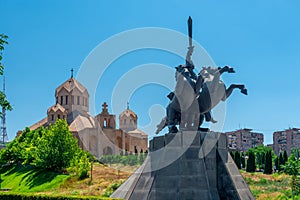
{"points": [[260, 39]]}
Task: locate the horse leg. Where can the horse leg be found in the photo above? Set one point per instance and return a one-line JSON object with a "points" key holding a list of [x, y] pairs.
{"points": [[171, 117], [234, 86], [201, 119], [172, 114]]}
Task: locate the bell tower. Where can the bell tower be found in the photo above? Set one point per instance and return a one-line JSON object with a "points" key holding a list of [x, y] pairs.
{"points": [[106, 120]]}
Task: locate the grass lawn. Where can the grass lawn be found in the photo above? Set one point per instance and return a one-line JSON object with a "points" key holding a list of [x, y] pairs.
{"points": [[27, 179], [274, 186]]}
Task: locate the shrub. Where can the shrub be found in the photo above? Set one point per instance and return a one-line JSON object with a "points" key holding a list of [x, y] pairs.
{"points": [[111, 188], [263, 181], [80, 165]]}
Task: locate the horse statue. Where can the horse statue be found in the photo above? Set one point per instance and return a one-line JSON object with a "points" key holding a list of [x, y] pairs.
{"points": [[195, 96]]}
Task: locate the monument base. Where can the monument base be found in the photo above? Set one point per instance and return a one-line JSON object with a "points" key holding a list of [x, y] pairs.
{"points": [[186, 165]]}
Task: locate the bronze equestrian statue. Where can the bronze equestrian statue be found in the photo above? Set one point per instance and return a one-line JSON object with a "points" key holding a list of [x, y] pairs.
{"points": [[196, 95]]}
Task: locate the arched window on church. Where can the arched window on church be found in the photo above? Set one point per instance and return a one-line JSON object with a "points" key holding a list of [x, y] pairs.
{"points": [[58, 116], [105, 123], [61, 100], [52, 117], [135, 150], [67, 100], [78, 100]]}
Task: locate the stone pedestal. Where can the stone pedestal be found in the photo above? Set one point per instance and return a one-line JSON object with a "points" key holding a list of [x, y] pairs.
{"points": [[184, 166]]}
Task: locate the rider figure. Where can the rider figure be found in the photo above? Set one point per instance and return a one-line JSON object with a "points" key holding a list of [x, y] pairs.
{"points": [[174, 113], [173, 109]]}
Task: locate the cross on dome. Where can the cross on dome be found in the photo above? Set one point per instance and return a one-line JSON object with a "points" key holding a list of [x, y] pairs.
{"points": [[104, 107], [72, 70]]}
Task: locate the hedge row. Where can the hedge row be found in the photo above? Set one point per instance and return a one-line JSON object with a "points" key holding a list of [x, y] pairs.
{"points": [[10, 196]]}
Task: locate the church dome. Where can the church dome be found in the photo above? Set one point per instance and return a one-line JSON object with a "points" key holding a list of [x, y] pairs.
{"points": [[73, 96], [128, 120], [70, 85], [128, 113]]}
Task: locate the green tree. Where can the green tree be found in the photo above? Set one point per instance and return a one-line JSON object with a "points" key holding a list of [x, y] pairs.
{"points": [[268, 163], [285, 156], [277, 163], [56, 148], [280, 162], [80, 164], [251, 166], [243, 160], [15, 151], [263, 160], [3, 41], [237, 159], [296, 153], [3, 101], [260, 152], [292, 168], [53, 147]]}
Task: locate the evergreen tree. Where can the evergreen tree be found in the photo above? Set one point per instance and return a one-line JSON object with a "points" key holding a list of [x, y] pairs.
{"points": [[251, 162], [277, 163], [237, 159], [280, 162], [243, 160], [263, 160], [285, 156], [268, 163]]}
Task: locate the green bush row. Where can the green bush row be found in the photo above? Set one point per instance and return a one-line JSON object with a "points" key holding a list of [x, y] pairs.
{"points": [[10, 196], [125, 160]]}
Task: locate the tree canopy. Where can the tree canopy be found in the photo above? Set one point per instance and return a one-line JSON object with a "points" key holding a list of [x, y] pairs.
{"points": [[52, 148], [3, 101]]}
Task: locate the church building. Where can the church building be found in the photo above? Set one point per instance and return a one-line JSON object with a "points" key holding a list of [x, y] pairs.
{"points": [[98, 135]]}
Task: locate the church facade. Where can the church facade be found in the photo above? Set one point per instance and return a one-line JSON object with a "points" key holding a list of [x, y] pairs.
{"points": [[98, 135]]}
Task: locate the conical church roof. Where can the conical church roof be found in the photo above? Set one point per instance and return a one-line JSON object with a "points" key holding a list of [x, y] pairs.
{"points": [[69, 85], [127, 113], [56, 107]]}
